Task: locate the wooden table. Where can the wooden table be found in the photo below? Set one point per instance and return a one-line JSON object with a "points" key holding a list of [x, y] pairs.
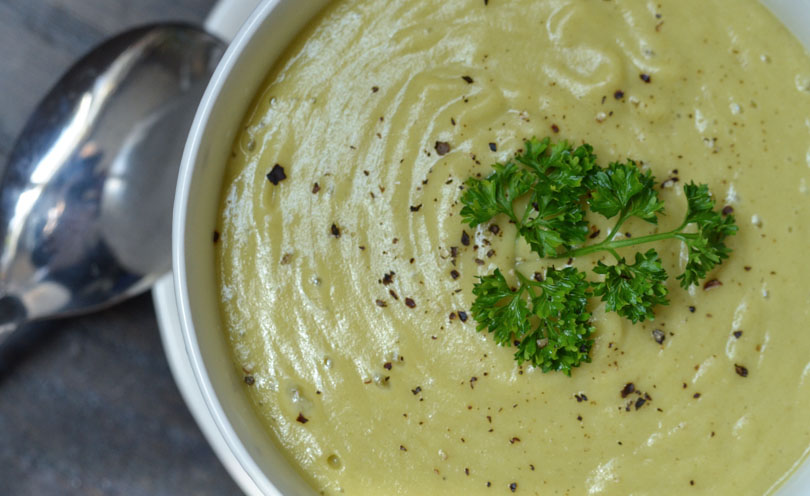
{"points": [[88, 405]]}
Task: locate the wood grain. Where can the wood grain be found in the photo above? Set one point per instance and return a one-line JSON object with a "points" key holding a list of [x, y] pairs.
{"points": [[88, 405]]}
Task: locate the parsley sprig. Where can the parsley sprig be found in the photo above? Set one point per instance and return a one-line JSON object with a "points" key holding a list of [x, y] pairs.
{"points": [[546, 190]]}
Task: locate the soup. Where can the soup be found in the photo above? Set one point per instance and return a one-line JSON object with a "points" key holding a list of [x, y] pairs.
{"points": [[346, 285]]}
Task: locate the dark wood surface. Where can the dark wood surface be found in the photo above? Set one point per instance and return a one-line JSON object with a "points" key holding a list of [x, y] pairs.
{"points": [[88, 405]]}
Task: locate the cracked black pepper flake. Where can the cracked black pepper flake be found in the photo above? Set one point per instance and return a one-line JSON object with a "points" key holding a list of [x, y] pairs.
{"points": [[473, 380], [388, 278], [555, 128], [618, 95], [741, 371], [513, 486], [302, 419], [416, 208], [381, 303], [375, 89], [465, 238], [645, 77], [315, 188], [640, 402], [454, 274], [468, 79], [691, 309], [250, 380], [335, 230], [387, 365], [628, 389], [216, 236], [659, 336], [442, 147], [493, 147], [462, 316], [711, 284], [410, 303], [276, 175], [416, 390], [727, 210], [402, 448], [696, 395], [737, 334], [393, 294], [595, 234], [494, 229]]}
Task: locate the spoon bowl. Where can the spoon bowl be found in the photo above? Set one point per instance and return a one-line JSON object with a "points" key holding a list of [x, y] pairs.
{"points": [[86, 196]]}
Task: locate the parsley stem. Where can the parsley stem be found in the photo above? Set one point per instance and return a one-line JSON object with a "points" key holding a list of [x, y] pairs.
{"points": [[609, 245], [616, 227]]}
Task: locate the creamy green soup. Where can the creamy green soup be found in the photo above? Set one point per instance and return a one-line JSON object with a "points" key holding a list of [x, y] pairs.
{"points": [[346, 287]]}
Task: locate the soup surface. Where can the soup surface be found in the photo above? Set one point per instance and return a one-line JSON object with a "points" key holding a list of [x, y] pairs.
{"points": [[346, 286]]}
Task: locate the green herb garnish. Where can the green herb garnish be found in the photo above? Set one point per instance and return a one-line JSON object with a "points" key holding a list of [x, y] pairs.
{"points": [[547, 319]]}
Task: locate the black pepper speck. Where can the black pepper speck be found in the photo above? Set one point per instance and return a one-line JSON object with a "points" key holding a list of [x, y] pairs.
{"points": [[628, 389], [442, 147], [276, 174]]}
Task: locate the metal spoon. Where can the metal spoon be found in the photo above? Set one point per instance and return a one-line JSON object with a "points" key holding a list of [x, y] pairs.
{"points": [[86, 197]]}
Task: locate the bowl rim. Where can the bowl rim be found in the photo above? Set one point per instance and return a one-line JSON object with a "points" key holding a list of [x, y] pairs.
{"points": [[191, 157]]}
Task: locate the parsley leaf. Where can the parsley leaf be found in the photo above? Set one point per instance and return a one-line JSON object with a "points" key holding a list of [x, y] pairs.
{"points": [[632, 290], [546, 320], [485, 198], [562, 338], [623, 189], [556, 177], [706, 248], [500, 309]]}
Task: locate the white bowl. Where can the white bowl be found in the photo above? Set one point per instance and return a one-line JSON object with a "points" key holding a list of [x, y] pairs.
{"points": [[263, 38]]}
